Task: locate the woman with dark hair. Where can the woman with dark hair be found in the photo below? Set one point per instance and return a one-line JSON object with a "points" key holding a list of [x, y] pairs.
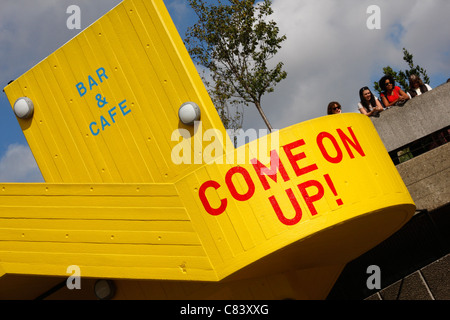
{"points": [[334, 108], [369, 104], [391, 94], [416, 86]]}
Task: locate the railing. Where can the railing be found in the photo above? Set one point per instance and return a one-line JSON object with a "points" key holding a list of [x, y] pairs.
{"points": [[420, 146]]}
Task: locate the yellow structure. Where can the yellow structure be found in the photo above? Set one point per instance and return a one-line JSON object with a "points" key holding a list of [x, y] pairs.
{"points": [[174, 211]]}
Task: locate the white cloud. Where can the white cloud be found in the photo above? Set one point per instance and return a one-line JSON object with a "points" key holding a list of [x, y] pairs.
{"points": [[179, 9], [32, 30], [19, 165], [330, 53]]}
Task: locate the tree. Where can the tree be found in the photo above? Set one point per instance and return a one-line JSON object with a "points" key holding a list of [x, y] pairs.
{"points": [[234, 43], [231, 120], [402, 77]]}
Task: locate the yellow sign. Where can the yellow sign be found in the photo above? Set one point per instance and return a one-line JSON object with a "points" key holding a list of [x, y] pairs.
{"points": [[132, 192]]}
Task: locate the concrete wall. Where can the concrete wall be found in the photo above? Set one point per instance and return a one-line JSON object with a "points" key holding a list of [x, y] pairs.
{"points": [[427, 178], [419, 117], [415, 261]]}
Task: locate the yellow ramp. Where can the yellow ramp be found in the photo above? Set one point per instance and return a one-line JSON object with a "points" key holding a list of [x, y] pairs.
{"points": [[133, 193]]}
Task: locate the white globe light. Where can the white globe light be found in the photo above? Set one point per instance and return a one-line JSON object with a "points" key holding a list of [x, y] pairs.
{"points": [[189, 112], [23, 108]]}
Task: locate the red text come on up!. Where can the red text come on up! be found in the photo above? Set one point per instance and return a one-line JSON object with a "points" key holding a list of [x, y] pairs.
{"points": [[310, 190]]}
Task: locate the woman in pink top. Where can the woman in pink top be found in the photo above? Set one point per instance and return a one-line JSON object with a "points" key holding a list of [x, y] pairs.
{"points": [[391, 94]]}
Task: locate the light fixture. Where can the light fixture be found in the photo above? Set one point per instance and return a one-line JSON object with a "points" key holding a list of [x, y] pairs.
{"points": [[23, 108], [189, 112], [104, 289]]}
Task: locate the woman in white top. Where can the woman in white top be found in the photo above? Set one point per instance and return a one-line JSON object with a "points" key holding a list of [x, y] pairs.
{"points": [[369, 104], [416, 86]]}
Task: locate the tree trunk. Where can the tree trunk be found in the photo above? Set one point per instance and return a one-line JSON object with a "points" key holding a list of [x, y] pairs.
{"points": [[261, 112]]}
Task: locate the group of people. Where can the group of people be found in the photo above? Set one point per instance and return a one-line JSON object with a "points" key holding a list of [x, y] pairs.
{"points": [[391, 95]]}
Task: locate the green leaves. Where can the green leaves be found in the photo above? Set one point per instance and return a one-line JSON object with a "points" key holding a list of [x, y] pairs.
{"points": [[234, 41], [402, 77]]}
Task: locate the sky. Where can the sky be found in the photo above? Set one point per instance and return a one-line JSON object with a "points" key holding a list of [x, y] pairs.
{"points": [[329, 54]]}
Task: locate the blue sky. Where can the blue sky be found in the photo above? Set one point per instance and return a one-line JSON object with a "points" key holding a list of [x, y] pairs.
{"points": [[329, 54]]}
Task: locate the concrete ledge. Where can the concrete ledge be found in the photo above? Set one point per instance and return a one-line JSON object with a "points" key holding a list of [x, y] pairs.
{"points": [[427, 178], [412, 287], [431, 282], [419, 117], [437, 277]]}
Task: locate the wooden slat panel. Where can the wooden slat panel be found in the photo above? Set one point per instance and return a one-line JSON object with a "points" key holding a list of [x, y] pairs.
{"points": [[94, 236], [101, 248], [129, 272], [119, 214], [47, 227], [100, 225]]}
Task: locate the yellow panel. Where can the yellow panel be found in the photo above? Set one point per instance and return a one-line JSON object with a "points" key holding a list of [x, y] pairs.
{"points": [[106, 103], [341, 195], [44, 232]]}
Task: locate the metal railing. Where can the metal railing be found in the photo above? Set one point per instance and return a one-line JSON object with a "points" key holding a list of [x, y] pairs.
{"points": [[420, 146]]}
